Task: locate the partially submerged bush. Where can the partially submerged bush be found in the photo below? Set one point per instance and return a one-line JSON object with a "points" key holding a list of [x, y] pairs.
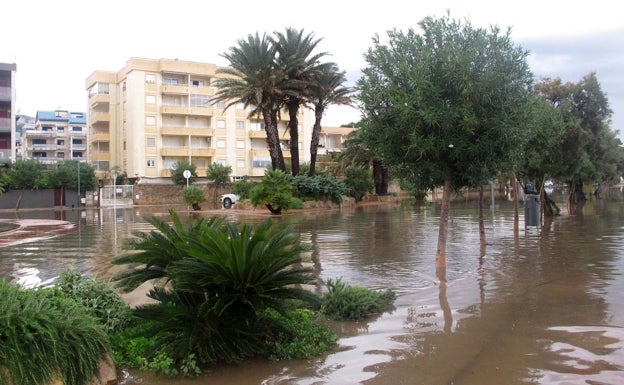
{"points": [[97, 296], [45, 336], [344, 302]]}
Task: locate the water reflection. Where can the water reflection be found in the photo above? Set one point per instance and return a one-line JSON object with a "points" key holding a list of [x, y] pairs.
{"points": [[540, 307]]}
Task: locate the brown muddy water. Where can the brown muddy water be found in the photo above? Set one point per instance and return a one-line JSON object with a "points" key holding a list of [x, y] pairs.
{"points": [[544, 306]]}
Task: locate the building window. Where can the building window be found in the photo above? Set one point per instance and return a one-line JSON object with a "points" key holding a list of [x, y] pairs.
{"points": [[60, 129], [240, 106], [240, 124], [151, 163], [220, 143], [39, 154], [197, 83], [60, 155], [240, 163], [150, 120], [170, 81], [200, 101], [76, 129], [261, 163], [256, 126], [76, 141], [220, 123], [151, 142], [150, 78], [220, 104], [240, 144], [60, 142], [38, 141], [150, 99], [47, 128], [77, 154]]}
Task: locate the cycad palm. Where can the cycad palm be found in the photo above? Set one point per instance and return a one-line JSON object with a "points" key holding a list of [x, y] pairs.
{"points": [[222, 277]]}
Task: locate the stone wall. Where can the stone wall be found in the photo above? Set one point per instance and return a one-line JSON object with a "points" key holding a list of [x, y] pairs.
{"points": [[169, 194]]}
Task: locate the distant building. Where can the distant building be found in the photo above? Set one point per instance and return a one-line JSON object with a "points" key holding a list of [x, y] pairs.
{"points": [[332, 138], [153, 113], [7, 113], [57, 136]]}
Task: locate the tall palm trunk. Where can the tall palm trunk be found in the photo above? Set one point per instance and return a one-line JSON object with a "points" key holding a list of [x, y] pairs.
{"points": [[316, 137], [293, 128], [516, 224], [275, 151], [444, 214]]}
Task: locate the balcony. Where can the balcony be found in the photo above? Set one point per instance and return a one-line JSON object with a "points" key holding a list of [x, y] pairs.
{"points": [[99, 156], [183, 110], [174, 151], [186, 131], [99, 137], [178, 89], [43, 147], [100, 117], [202, 152], [99, 99], [40, 134], [262, 134]]}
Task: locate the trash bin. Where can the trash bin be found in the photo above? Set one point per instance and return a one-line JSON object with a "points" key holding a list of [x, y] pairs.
{"points": [[531, 210]]}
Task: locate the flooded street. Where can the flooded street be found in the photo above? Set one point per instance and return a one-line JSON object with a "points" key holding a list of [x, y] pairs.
{"points": [[545, 306]]}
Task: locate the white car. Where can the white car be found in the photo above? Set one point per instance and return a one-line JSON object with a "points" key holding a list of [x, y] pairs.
{"points": [[228, 200]]}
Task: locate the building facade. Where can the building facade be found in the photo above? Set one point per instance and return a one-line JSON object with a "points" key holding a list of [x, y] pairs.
{"points": [[7, 113], [58, 135], [153, 113]]}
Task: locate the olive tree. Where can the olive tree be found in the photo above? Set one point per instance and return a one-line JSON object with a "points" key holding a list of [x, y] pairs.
{"points": [[444, 106]]}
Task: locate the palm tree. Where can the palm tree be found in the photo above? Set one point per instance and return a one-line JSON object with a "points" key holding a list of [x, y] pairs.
{"points": [[327, 89], [255, 81], [297, 62]]}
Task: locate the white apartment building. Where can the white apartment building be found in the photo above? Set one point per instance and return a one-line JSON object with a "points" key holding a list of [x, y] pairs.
{"points": [[153, 113]]}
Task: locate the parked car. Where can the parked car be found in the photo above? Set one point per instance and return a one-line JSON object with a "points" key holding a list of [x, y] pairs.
{"points": [[228, 200]]}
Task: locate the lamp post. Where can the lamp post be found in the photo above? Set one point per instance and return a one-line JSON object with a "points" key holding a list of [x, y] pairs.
{"points": [[79, 201]]}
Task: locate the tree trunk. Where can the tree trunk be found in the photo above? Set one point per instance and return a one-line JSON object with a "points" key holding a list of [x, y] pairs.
{"points": [[444, 214], [516, 224], [293, 128], [481, 223], [19, 200], [275, 151], [316, 137], [380, 176]]}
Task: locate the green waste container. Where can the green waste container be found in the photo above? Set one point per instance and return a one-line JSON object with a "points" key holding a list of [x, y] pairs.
{"points": [[531, 210]]}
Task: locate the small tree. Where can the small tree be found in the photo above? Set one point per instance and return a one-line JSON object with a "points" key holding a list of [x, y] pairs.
{"points": [[193, 195], [219, 175], [177, 173], [275, 192], [24, 174]]}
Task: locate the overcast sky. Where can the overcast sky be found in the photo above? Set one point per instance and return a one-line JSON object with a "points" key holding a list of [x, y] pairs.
{"points": [[58, 44]]}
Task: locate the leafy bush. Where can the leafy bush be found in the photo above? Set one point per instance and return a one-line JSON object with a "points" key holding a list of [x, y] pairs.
{"points": [[193, 195], [301, 336], [98, 297], [275, 192], [220, 277], [45, 336], [359, 182], [345, 302], [243, 187], [319, 187]]}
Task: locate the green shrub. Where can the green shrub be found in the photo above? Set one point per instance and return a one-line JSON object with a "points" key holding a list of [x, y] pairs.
{"points": [[344, 302], [193, 196], [98, 297], [274, 192], [301, 335], [320, 187], [359, 182], [243, 187], [45, 336]]}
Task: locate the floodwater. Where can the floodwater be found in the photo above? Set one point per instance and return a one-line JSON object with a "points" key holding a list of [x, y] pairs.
{"points": [[543, 306]]}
